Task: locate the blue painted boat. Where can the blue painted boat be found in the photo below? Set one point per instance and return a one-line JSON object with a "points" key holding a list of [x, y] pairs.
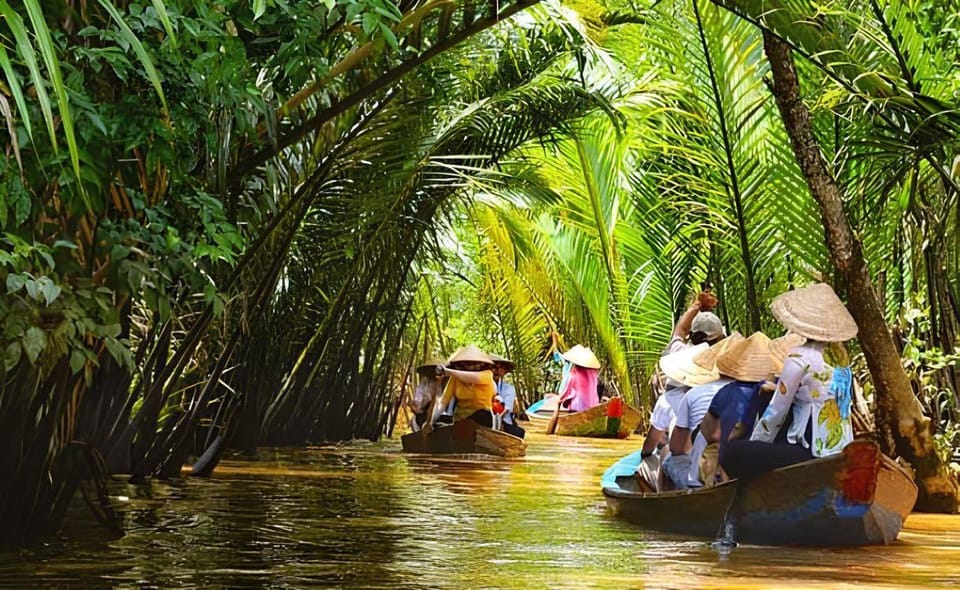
{"points": [[858, 497]]}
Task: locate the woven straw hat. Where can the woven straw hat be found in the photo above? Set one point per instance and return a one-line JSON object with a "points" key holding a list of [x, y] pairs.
{"points": [[816, 313], [707, 360], [503, 362], [428, 367], [780, 347], [680, 367], [749, 359], [582, 357], [470, 354]]}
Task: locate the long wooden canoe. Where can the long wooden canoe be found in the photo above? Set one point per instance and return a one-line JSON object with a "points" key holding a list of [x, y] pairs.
{"points": [[857, 497], [464, 437], [591, 422]]}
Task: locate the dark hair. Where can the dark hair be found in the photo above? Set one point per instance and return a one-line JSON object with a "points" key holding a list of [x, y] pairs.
{"points": [[698, 337]]}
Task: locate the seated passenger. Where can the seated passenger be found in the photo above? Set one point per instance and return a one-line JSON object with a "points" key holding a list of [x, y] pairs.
{"points": [[428, 389], [814, 389], [694, 328], [471, 386], [506, 396], [735, 407], [686, 442], [578, 391]]}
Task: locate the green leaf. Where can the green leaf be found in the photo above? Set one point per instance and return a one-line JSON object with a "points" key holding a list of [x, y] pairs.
{"points": [[369, 22], [137, 47], [259, 7], [119, 352], [11, 356], [15, 282], [64, 244], [26, 52], [20, 199], [77, 360], [389, 36], [49, 289], [33, 289], [34, 342], [49, 53], [161, 9], [14, 84]]}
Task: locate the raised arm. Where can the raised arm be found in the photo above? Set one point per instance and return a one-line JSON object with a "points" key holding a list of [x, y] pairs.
{"points": [[682, 329]]}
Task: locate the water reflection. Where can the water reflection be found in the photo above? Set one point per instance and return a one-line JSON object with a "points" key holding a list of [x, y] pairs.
{"points": [[366, 515]]}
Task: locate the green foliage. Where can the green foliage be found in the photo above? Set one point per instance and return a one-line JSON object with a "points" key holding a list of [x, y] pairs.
{"points": [[924, 362]]}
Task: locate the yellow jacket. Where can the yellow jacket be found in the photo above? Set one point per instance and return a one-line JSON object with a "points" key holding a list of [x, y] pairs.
{"points": [[474, 391]]}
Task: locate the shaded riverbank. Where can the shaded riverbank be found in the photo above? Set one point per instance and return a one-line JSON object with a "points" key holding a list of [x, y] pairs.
{"points": [[365, 515]]}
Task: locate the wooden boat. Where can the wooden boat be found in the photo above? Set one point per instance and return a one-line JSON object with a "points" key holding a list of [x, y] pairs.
{"points": [[592, 422], [857, 497], [464, 437]]}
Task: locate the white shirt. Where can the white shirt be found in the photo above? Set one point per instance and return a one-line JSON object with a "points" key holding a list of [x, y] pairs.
{"points": [[424, 394], [508, 395], [805, 389], [693, 407], [665, 411]]}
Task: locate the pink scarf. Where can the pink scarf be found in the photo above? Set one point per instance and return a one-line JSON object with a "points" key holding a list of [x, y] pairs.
{"points": [[580, 389]]}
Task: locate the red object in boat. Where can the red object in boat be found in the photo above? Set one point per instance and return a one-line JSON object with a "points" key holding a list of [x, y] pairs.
{"points": [[615, 408], [860, 475]]}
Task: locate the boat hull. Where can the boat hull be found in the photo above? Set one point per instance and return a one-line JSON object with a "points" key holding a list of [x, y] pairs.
{"points": [[858, 497], [590, 423], [463, 438]]}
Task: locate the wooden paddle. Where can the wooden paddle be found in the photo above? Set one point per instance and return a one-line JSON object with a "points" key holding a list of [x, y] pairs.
{"points": [[552, 424]]}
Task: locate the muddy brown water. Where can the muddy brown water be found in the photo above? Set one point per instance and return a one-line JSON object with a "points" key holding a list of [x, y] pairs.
{"points": [[365, 515]]}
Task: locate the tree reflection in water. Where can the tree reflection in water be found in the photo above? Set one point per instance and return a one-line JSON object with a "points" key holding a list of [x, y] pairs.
{"points": [[366, 515]]}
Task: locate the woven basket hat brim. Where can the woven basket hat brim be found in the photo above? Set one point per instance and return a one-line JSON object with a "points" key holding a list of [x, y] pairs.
{"points": [[707, 360], [780, 347], [749, 359], [470, 354], [503, 362], [430, 365], [815, 312], [680, 367], [582, 357]]}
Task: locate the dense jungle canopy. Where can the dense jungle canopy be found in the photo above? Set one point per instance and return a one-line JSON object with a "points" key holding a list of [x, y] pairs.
{"points": [[244, 222]]}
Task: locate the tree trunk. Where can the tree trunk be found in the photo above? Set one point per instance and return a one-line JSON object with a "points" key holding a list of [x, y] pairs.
{"points": [[900, 415]]}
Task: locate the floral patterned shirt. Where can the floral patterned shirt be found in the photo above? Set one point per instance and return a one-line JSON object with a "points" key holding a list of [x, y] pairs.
{"points": [[804, 388]]}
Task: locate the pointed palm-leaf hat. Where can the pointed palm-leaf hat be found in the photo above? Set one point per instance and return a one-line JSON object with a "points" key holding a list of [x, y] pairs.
{"points": [[815, 312]]}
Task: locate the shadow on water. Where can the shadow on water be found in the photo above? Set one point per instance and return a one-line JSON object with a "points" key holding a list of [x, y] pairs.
{"points": [[367, 516]]}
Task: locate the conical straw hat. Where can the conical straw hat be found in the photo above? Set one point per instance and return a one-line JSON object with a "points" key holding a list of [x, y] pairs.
{"points": [[469, 354], [707, 360], [504, 362], [816, 313], [680, 367], [780, 347], [431, 365], [749, 359], [582, 357]]}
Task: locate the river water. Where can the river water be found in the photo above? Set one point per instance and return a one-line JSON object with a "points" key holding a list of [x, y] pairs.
{"points": [[365, 515]]}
